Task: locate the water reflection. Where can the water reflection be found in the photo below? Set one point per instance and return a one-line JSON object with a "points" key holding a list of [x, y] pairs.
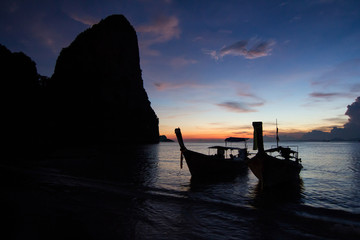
{"points": [[277, 196], [136, 164], [354, 171], [195, 182], [332, 175]]}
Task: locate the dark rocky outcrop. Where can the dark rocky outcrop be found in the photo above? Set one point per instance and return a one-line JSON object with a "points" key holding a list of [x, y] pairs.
{"points": [[97, 92], [163, 138], [22, 115], [95, 96]]}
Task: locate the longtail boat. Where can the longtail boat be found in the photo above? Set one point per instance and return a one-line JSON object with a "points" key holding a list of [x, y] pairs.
{"points": [[219, 165], [274, 166]]}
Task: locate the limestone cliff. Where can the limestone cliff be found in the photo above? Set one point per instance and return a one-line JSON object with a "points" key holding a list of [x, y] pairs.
{"points": [[96, 91], [21, 106]]}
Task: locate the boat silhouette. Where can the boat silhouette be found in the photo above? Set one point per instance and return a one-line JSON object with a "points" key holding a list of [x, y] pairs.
{"points": [[219, 165], [275, 166]]}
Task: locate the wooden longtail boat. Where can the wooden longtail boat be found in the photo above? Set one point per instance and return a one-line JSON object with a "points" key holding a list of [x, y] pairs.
{"points": [[284, 168], [202, 166]]}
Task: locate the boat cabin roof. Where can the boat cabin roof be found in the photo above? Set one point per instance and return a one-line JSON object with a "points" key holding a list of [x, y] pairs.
{"points": [[225, 148], [278, 149], [235, 139]]}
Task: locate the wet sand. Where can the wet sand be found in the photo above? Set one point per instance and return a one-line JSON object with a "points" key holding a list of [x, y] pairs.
{"points": [[40, 204]]}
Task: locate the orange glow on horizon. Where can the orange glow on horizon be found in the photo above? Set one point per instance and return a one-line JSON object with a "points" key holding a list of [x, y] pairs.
{"points": [[192, 136], [220, 136]]}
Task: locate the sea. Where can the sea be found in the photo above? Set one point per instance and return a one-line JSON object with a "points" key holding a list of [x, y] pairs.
{"points": [[141, 192]]}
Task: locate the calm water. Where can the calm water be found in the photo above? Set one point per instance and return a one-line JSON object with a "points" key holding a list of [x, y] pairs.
{"points": [[331, 175], [163, 203]]}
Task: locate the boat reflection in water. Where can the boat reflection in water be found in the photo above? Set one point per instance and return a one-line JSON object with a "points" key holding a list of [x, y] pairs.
{"points": [[217, 166], [291, 193], [282, 169]]}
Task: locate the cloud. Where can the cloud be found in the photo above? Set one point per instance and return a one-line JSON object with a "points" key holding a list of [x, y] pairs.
{"points": [[240, 132], [295, 19], [212, 53], [248, 102], [355, 88], [249, 49], [257, 104], [84, 19], [199, 38], [325, 95], [82, 11], [181, 62], [49, 37], [239, 107], [339, 74], [353, 111], [335, 120], [351, 129], [316, 135], [162, 86], [245, 92], [340, 81], [236, 49], [162, 29], [316, 97], [261, 49]]}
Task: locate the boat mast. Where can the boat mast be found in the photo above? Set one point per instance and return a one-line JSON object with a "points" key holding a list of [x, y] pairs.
{"points": [[277, 135], [180, 139], [258, 137]]}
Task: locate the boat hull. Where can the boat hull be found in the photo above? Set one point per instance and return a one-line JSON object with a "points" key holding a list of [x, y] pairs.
{"points": [[206, 166], [272, 171]]}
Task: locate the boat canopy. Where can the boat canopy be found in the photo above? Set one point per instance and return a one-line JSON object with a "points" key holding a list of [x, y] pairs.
{"points": [[225, 148], [279, 149], [235, 139]]}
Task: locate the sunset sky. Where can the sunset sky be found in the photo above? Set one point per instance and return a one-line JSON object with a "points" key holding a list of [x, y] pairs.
{"points": [[213, 67]]}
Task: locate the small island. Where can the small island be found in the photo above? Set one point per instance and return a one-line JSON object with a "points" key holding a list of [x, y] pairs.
{"points": [[163, 138]]}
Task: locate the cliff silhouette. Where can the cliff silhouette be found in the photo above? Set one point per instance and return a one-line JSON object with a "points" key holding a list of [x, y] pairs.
{"points": [[22, 115], [97, 89], [95, 96]]}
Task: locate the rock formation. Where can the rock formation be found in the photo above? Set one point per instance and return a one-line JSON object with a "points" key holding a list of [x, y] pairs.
{"points": [[163, 138], [21, 106], [96, 92]]}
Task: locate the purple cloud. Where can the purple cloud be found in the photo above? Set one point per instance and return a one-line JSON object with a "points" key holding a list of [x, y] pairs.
{"points": [[329, 96], [248, 49], [324, 95], [162, 29], [261, 49], [239, 107], [181, 61], [236, 49], [162, 86]]}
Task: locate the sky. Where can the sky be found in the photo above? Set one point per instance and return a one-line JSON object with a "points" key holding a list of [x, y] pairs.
{"points": [[213, 67]]}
